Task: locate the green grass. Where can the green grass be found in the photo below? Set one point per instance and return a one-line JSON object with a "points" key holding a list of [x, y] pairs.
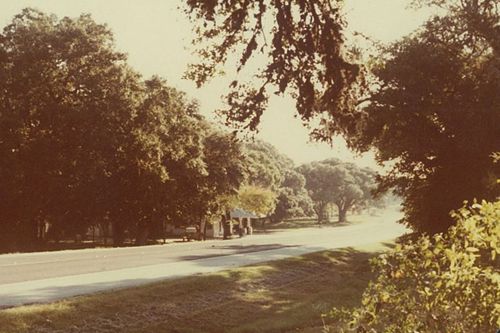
{"points": [[307, 223], [284, 295], [291, 224]]}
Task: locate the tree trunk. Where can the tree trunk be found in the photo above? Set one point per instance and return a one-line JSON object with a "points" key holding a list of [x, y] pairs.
{"points": [[342, 215], [205, 225], [320, 211], [118, 234], [263, 224], [142, 234], [226, 220], [202, 228], [163, 231], [104, 232]]}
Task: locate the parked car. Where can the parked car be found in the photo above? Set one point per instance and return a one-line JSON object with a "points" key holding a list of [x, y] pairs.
{"points": [[191, 233]]}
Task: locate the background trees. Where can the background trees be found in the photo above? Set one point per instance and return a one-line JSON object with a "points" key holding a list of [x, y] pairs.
{"points": [[342, 184], [215, 192], [272, 174], [168, 160], [257, 199], [293, 199], [265, 165]]}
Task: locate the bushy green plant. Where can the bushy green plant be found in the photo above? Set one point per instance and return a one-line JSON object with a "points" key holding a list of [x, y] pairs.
{"points": [[445, 283]]}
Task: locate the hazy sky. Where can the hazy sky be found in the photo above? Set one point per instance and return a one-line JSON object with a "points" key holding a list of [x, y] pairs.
{"points": [[156, 36]]}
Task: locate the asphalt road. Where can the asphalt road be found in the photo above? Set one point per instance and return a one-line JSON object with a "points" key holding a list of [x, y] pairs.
{"points": [[48, 276]]}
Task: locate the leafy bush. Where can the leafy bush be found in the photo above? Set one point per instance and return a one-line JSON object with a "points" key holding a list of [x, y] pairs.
{"points": [[445, 283]]}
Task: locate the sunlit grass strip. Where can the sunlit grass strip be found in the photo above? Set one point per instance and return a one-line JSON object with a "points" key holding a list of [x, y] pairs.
{"points": [[269, 297]]}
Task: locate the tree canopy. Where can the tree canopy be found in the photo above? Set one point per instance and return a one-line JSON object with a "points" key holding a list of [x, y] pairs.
{"points": [[342, 184], [258, 200], [268, 170], [84, 140], [436, 112], [293, 199], [266, 166]]}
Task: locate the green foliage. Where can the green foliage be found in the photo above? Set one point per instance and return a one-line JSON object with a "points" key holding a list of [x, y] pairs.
{"points": [[62, 84], [435, 113], [265, 165], [445, 283], [256, 199], [293, 199], [215, 190], [165, 159], [270, 171], [85, 141], [342, 184]]}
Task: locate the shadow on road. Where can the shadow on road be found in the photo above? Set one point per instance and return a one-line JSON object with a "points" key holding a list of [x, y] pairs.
{"points": [[238, 249], [274, 296]]}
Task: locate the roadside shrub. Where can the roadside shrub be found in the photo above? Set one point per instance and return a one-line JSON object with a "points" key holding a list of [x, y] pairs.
{"points": [[446, 283]]}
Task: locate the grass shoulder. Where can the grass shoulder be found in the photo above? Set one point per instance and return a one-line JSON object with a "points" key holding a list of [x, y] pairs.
{"points": [[277, 296], [307, 222]]}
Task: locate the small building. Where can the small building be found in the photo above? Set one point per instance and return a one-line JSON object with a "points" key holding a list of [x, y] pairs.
{"points": [[244, 219], [240, 220]]}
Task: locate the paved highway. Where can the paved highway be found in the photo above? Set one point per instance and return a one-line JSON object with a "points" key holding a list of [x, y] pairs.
{"points": [[48, 276]]}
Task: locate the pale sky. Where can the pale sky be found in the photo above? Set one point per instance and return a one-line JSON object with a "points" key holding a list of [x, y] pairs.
{"points": [[156, 36]]}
